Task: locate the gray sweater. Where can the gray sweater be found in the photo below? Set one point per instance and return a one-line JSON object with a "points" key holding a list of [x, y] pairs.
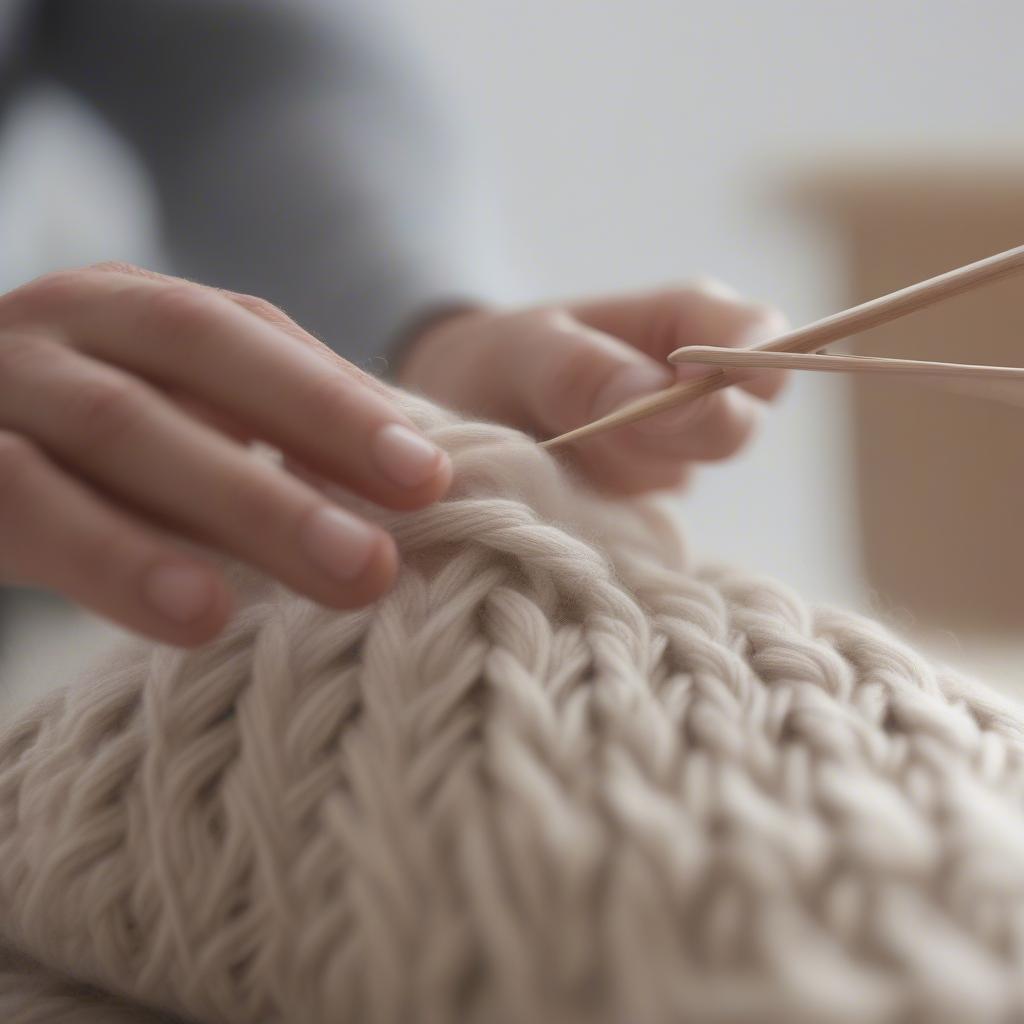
{"points": [[293, 154]]}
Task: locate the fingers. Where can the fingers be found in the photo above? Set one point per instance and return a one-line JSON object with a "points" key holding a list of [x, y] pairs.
{"points": [[265, 310], [566, 373], [711, 428], [299, 397], [550, 370], [703, 313], [657, 449], [134, 444], [56, 533]]}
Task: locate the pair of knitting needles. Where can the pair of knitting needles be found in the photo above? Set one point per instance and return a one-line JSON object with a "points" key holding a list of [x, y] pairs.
{"points": [[798, 350]]}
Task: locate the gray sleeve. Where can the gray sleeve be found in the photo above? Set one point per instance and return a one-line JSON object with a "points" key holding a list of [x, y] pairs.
{"points": [[294, 155]]}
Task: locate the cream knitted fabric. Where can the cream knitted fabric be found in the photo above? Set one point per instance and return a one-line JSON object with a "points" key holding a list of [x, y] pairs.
{"points": [[556, 776]]}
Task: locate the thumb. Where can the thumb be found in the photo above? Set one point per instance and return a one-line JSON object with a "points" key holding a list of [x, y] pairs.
{"points": [[569, 373]]}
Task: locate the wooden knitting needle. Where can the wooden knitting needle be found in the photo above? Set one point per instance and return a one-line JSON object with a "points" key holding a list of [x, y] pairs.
{"points": [[991, 383], [813, 337], [758, 359]]}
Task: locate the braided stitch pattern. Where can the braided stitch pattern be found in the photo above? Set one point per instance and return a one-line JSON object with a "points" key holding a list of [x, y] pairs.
{"points": [[557, 775]]}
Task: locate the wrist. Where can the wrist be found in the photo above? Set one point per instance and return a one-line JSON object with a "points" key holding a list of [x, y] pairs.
{"points": [[427, 346]]}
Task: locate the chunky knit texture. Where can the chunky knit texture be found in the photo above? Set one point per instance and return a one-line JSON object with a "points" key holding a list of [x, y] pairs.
{"points": [[557, 775]]}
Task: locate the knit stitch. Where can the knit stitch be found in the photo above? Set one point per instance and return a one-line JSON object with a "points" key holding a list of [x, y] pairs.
{"points": [[556, 775]]}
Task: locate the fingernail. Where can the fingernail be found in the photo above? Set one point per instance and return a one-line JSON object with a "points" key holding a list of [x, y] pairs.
{"points": [[405, 457], [179, 592], [632, 381], [339, 543]]}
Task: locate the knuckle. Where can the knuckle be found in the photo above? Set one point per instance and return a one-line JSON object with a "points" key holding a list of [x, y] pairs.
{"points": [[182, 311], [265, 311], [18, 458], [542, 330], [571, 371], [673, 478], [263, 308], [727, 447], [326, 396], [104, 554], [17, 348], [551, 319], [669, 479], [118, 267], [707, 284], [254, 500], [45, 294], [770, 316], [103, 411], [727, 436]]}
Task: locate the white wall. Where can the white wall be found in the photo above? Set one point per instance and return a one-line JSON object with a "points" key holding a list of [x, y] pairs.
{"points": [[638, 141]]}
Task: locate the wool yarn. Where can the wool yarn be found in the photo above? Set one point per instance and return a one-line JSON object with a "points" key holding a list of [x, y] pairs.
{"points": [[558, 774]]}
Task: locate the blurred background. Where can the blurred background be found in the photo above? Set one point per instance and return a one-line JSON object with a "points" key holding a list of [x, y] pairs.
{"points": [[809, 154]]}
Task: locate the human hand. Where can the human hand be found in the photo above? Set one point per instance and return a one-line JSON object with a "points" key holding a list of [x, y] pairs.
{"points": [[123, 398], [549, 369]]}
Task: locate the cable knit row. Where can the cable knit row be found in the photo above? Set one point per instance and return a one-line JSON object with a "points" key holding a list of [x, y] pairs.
{"points": [[556, 775]]}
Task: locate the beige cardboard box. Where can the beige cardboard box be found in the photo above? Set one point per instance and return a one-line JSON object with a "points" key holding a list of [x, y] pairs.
{"points": [[940, 476]]}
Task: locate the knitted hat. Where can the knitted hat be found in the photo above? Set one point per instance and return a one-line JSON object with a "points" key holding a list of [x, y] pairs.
{"points": [[556, 775]]}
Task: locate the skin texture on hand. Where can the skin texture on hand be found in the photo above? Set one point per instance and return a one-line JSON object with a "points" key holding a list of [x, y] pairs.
{"points": [[126, 402], [549, 369]]}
